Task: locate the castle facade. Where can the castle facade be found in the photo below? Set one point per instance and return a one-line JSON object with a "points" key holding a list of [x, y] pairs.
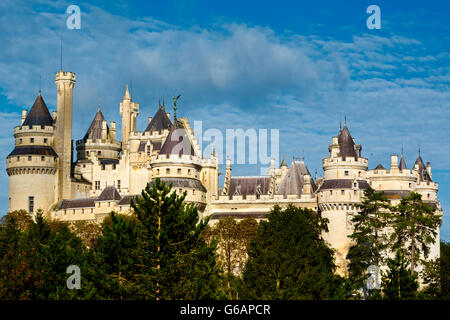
{"points": [[108, 173]]}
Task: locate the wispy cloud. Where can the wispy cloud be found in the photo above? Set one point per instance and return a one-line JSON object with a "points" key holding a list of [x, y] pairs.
{"points": [[392, 88]]}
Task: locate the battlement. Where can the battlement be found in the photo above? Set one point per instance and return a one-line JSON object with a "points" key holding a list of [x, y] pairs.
{"points": [[392, 174], [139, 135], [174, 158], [65, 75], [48, 130], [99, 143], [349, 161]]}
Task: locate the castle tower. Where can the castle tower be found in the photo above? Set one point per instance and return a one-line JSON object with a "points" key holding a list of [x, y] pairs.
{"points": [[99, 140], [180, 164], [65, 81], [129, 111], [32, 165], [341, 188]]}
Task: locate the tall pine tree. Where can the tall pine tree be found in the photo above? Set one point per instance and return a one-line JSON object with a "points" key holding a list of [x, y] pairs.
{"points": [[179, 264], [369, 239], [415, 224]]}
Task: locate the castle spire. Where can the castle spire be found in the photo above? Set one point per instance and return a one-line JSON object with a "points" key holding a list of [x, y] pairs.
{"points": [[127, 95]]}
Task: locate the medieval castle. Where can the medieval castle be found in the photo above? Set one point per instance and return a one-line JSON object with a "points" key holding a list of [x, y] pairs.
{"points": [[108, 173]]}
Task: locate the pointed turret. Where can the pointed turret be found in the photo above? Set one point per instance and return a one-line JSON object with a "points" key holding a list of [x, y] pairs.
{"points": [[177, 142], [39, 114], [402, 165], [423, 174], [95, 129], [160, 121], [126, 95], [346, 144]]}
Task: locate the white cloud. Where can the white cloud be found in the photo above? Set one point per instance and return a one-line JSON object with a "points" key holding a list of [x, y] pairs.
{"points": [[235, 76]]}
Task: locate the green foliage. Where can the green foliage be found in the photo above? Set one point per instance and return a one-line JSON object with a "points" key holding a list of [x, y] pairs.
{"points": [[179, 264], [445, 270], [370, 242], [233, 239], [37, 254], [119, 258], [415, 224], [398, 283], [288, 258], [432, 279]]}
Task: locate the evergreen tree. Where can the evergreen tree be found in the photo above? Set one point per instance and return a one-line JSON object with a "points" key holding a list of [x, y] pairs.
{"points": [[119, 258], [51, 248], [288, 259], [431, 276], [179, 264], [39, 253], [445, 270], [415, 224], [370, 241], [398, 283]]}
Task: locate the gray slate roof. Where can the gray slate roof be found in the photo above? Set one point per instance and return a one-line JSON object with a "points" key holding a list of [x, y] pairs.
{"points": [[249, 185], [182, 183], [38, 114], [109, 193], [77, 203], [95, 129], [346, 144], [402, 165], [293, 181], [160, 121], [423, 173], [177, 142], [33, 150], [343, 184]]}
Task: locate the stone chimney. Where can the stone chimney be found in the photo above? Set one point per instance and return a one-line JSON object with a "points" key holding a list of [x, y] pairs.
{"points": [[394, 161], [24, 116]]}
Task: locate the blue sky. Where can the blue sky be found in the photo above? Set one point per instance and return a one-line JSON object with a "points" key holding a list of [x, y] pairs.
{"points": [[295, 66]]}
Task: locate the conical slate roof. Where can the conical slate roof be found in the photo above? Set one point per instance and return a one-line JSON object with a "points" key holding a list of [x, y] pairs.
{"points": [[402, 165], [346, 144], [160, 121], [95, 129], [177, 142], [38, 115], [423, 173]]}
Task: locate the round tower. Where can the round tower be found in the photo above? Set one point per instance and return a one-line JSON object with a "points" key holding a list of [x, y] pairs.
{"points": [[99, 140], [341, 189], [179, 165], [32, 165]]}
